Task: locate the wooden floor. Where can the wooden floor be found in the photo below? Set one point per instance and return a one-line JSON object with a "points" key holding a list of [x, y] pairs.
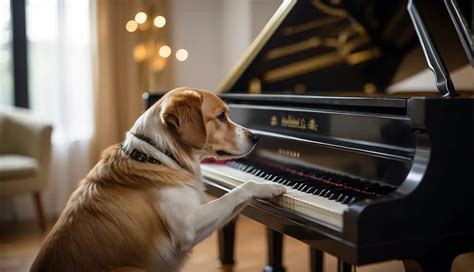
{"points": [[19, 243]]}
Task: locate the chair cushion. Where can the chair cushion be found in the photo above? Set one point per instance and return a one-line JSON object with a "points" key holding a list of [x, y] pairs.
{"points": [[17, 166]]}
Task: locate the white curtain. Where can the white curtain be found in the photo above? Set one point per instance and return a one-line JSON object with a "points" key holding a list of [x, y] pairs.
{"points": [[60, 89]]}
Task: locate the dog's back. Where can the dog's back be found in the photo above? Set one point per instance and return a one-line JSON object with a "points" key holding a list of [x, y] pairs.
{"points": [[109, 221]]}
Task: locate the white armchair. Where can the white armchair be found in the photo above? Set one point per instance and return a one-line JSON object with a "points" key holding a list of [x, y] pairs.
{"points": [[25, 148]]}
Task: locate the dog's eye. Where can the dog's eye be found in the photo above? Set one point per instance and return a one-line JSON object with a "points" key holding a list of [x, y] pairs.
{"points": [[222, 117]]}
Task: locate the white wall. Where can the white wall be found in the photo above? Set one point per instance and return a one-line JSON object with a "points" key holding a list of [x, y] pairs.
{"points": [[463, 79], [216, 34], [194, 25]]}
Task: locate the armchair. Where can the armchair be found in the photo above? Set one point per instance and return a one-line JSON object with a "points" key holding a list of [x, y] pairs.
{"points": [[25, 148]]}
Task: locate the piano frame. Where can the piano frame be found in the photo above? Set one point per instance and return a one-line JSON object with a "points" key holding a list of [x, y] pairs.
{"points": [[435, 122]]}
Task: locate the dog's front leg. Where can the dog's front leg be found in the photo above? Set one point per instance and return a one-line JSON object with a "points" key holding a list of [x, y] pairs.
{"points": [[215, 214]]}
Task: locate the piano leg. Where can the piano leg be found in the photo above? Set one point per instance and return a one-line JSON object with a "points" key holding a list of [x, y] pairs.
{"points": [[430, 263], [316, 260], [275, 251], [343, 266], [226, 238]]}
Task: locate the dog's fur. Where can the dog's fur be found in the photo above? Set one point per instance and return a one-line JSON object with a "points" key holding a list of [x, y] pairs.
{"points": [[127, 215]]}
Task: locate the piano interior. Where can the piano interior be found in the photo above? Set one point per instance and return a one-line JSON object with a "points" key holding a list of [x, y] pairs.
{"points": [[345, 47]]}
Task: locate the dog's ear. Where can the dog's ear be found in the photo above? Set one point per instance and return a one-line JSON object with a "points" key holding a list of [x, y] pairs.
{"points": [[182, 114]]}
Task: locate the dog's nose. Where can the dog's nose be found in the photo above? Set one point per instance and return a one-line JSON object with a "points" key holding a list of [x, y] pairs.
{"points": [[253, 138]]}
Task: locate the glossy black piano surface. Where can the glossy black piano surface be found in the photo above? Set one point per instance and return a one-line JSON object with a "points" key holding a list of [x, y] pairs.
{"points": [[313, 86], [348, 46], [419, 156]]}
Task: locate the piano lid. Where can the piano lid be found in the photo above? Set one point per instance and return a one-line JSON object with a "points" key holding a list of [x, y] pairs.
{"points": [[348, 46]]}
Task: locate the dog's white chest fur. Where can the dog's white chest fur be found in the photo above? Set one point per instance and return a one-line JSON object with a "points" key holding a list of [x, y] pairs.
{"points": [[177, 205]]}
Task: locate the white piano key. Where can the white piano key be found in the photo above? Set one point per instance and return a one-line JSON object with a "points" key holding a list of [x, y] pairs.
{"points": [[322, 209]]}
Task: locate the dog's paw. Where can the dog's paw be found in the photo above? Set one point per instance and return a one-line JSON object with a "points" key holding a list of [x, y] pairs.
{"points": [[264, 190]]}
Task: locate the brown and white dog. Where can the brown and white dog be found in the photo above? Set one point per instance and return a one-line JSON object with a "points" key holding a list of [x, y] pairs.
{"points": [[128, 215]]}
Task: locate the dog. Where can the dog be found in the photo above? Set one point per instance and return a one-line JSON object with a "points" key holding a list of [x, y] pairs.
{"points": [[143, 205]]}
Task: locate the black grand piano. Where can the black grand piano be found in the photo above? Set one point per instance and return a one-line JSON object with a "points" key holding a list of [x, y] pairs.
{"points": [[371, 175]]}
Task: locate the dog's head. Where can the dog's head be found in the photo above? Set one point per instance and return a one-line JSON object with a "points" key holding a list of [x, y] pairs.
{"points": [[200, 120]]}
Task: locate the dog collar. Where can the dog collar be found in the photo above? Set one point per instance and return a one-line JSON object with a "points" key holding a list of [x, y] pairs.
{"points": [[139, 156], [143, 157]]}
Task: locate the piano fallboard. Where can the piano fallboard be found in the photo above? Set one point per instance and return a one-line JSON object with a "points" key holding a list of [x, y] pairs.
{"points": [[344, 136]]}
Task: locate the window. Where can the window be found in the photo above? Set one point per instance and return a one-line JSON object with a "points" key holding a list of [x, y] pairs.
{"points": [[6, 54], [60, 65]]}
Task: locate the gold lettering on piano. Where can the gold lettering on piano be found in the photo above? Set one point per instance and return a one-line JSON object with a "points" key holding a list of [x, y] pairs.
{"points": [[312, 125], [289, 153], [274, 121], [292, 121]]}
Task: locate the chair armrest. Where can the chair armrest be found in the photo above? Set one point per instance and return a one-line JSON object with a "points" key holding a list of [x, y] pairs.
{"points": [[23, 133]]}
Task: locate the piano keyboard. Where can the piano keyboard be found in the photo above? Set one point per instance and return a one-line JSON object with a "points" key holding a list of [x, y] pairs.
{"points": [[319, 195]]}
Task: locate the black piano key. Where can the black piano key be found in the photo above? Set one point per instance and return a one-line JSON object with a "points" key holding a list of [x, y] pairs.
{"points": [[354, 199], [333, 186], [341, 197], [307, 186], [275, 172], [274, 179], [301, 187], [283, 175], [265, 169], [327, 193], [286, 176], [261, 174], [266, 176], [313, 184], [317, 190], [280, 180], [346, 199], [255, 171], [331, 191], [357, 197], [350, 197], [240, 165], [334, 195], [244, 167], [322, 190], [296, 185], [247, 168]]}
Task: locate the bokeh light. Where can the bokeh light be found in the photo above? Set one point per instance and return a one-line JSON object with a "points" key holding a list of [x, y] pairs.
{"points": [[131, 26], [140, 52], [182, 54], [141, 17], [159, 21], [165, 51]]}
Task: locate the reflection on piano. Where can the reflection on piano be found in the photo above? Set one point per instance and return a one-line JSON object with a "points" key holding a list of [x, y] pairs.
{"points": [[369, 177], [363, 185]]}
